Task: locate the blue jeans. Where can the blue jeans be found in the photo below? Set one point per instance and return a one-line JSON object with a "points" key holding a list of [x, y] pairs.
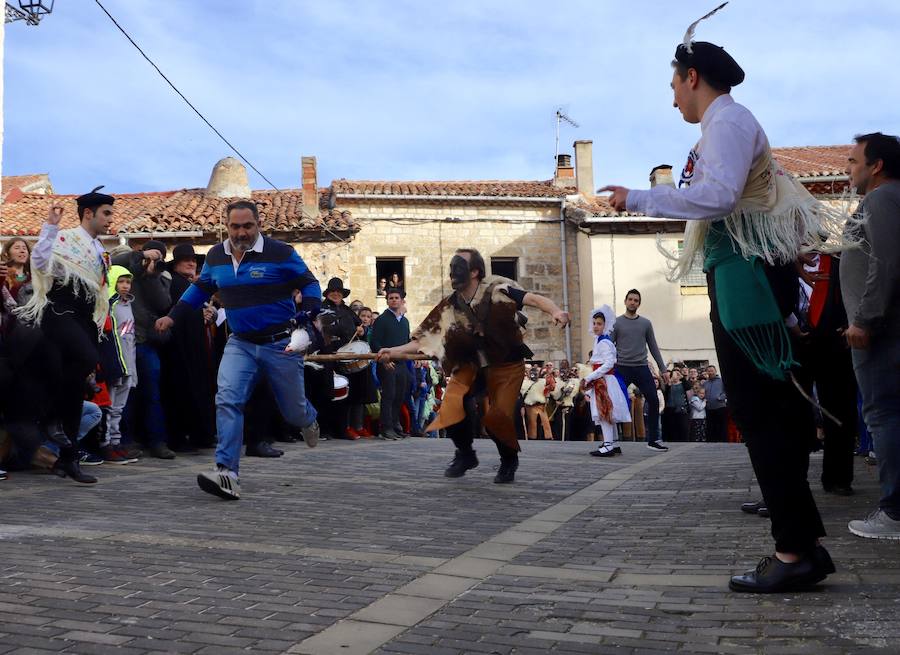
{"points": [[642, 378], [145, 403], [90, 418], [878, 374], [242, 364]]}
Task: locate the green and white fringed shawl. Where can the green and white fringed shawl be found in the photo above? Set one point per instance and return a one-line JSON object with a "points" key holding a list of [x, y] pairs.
{"points": [[74, 261], [775, 221]]}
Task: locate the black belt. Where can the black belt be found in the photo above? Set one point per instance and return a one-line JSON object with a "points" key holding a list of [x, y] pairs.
{"points": [[266, 338]]}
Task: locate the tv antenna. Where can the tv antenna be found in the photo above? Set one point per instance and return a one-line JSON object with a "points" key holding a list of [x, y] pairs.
{"points": [[561, 117]]}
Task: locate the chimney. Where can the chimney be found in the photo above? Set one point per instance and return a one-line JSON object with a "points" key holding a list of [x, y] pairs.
{"points": [[662, 174], [228, 180], [584, 167], [565, 172], [310, 186]]}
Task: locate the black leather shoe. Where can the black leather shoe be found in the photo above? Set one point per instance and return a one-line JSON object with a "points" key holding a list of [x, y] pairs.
{"points": [[263, 449], [763, 512], [461, 463], [507, 471], [751, 508], [839, 489], [73, 470], [772, 576]]}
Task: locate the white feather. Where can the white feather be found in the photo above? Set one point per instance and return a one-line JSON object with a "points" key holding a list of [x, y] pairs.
{"points": [[689, 35]]}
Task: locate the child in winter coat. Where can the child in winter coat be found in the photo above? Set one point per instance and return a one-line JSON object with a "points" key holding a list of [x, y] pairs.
{"points": [[118, 360]]}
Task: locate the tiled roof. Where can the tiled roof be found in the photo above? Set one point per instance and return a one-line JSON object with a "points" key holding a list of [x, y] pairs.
{"points": [[813, 161], [188, 210], [482, 188], [25, 183]]}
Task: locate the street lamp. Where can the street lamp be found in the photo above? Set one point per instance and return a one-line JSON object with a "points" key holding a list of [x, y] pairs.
{"points": [[31, 11]]}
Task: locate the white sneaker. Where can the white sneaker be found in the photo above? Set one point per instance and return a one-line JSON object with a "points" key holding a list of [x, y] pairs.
{"points": [[877, 525], [311, 434], [657, 445], [222, 482]]}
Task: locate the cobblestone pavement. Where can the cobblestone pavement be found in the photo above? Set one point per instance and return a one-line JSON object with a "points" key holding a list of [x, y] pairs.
{"points": [[365, 547]]}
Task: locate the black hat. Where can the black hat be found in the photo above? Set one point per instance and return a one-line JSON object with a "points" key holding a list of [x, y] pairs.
{"points": [[183, 251], [336, 284], [391, 290], [711, 61], [93, 199], [153, 244]]}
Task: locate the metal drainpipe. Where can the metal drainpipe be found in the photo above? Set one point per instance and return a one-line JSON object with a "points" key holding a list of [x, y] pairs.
{"points": [[565, 275]]}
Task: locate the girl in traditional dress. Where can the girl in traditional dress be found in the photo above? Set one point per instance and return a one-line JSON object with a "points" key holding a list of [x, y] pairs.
{"points": [[603, 389]]}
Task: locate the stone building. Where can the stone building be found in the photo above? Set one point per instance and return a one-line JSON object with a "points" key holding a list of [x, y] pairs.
{"points": [[553, 236]]}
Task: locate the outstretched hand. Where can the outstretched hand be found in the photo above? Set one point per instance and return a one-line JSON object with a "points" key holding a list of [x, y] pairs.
{"points": [[55, 214], [618, 197]]}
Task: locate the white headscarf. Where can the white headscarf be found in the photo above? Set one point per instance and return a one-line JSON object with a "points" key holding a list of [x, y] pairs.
{"points": [[608, 314]]}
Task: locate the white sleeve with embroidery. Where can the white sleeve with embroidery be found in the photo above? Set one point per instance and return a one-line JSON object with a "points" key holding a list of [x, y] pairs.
{"points": [[727, 152], [40, 254]]}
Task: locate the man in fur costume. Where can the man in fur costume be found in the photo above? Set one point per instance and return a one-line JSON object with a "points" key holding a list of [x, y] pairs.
{"points": [[70, 305], [477, 333], [749, 222]]}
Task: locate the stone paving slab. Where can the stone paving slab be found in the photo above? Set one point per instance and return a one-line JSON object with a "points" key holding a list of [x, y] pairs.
{"points": [[365, 547]]}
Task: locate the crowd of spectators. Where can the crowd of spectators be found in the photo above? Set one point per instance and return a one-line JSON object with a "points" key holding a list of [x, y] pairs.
{"points": [[153, 393]]}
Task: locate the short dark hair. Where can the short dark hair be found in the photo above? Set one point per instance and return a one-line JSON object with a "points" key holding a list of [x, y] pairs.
{"points": [[682, 71], [599, 315], [634, 292], [242, 204], [476, 261], [885, 147]]}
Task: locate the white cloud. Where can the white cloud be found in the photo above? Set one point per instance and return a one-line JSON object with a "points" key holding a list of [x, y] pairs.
{"points": [[409, 90]]}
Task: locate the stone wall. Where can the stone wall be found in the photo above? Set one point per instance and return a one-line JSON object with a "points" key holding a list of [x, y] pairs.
{"points": [[426, 234]]}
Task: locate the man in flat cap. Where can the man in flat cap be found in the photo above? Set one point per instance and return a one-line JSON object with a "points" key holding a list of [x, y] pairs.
{"points": [[70, 305], [748, 222]]}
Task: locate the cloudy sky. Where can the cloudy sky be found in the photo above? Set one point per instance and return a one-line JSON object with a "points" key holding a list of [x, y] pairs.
{"points": [[398, 89]]}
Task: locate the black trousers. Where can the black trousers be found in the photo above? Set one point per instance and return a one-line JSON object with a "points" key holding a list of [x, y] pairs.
{"points": [[463, 433], [776, 423], [717, 425], [71, 343], [394, 389], [825, 361]]}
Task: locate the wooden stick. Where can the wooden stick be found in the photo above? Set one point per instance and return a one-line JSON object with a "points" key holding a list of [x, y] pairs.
{"points": [[355, 357]]}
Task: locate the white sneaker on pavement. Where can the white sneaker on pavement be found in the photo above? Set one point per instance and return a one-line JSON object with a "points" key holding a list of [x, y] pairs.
{"points": [[877, 525], [222, 482]]}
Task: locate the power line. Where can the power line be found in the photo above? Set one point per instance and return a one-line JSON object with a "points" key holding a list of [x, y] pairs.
{"points": [[189, 104], [202, 117]]}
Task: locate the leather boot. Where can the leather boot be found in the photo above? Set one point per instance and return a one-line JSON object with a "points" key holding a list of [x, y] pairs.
{"points": [[72, 469]]}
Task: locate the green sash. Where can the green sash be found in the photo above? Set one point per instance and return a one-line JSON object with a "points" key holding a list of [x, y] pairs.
{"points": [[747, 307]]}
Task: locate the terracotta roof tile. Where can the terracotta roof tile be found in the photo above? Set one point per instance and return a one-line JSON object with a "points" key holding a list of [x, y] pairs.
{"points": [[187, 210], [483, 188], [34, 183], [813, 161]]}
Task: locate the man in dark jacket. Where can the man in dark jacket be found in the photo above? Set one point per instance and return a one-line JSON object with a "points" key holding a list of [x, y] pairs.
{"points": [[391, 329], [151, 301], [187, 365]]}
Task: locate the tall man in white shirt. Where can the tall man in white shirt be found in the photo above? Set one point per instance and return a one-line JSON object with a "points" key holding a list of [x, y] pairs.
{"points": [[743, 221]]}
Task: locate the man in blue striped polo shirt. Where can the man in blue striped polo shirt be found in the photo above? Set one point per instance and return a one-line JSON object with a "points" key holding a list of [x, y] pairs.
{"points": [[257, 279]]}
